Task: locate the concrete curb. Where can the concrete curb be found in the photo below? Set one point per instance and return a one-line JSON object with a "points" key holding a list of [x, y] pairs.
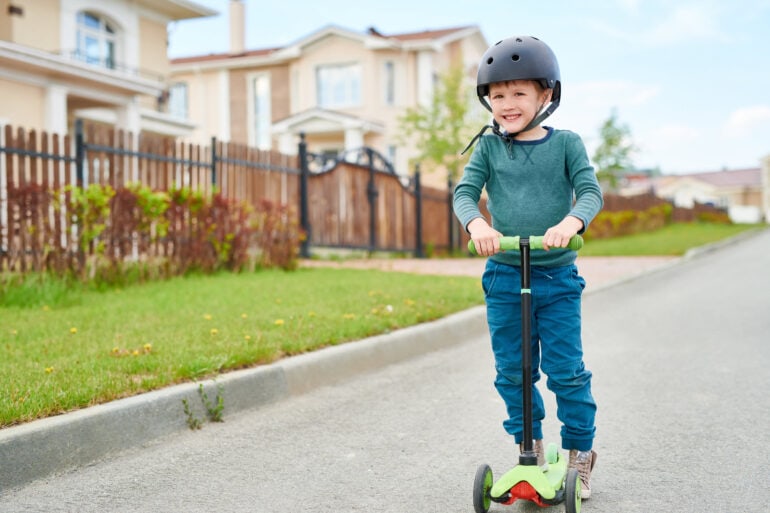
{"points": [[58, 444]]}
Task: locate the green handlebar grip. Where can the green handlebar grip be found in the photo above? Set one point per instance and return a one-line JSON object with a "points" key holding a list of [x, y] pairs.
{"points": [[535, 242]]}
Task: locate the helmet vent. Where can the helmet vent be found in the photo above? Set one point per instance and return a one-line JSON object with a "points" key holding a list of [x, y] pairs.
{"points": [[515, 57], [489, 61]]}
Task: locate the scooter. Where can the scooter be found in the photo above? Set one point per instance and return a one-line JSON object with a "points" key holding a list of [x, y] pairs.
{"points": [[527, 481]]}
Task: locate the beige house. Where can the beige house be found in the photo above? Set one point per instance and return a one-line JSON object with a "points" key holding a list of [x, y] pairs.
{"points": [[99, 60], [341, 88], [743, 192]]}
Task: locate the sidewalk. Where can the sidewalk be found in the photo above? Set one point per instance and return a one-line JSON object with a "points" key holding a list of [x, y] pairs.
{"points": [[40, 449], [597, 271]]}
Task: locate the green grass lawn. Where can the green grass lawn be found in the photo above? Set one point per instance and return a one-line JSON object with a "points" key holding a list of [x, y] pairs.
{"points": [[673, 239], [65, 348], [91, 347]]}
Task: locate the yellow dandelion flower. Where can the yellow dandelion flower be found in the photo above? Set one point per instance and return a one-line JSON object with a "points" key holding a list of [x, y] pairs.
{"points": [[349, 316], [278, 300], [147, 348], [279, 322], [311, 314], [46, 308], [375, 311], [73, 330], [247, 337], [409, 302], [214, 331], [14, 332], [207, 317], [135, 352], [244, 316], [115, 350], [49, 370]]}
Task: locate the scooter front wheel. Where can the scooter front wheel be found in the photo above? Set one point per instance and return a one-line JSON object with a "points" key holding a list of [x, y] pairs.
{"points": [[572, 486], [481, 487]]}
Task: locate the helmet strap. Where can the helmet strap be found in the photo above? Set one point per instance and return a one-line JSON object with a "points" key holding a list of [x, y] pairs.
{"points": [[508, 136]]}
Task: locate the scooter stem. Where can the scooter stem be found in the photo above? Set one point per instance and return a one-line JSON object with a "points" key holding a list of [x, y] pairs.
{"points": [[528, 456]]}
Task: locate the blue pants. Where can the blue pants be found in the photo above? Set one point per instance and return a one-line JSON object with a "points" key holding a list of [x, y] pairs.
{"points": [[556, 348]]}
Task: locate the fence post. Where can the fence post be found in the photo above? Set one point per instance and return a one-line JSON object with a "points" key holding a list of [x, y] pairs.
{"points": [[304, 218], [80, 153], [371, 193], [450, 217], [214, 158], [419, 253]]}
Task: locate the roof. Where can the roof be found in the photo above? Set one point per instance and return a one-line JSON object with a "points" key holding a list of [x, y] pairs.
{"points": [[322, 120], [731, 178], [179, 9], [372, 34], [226, 55], [725, 179], [428, 34]]}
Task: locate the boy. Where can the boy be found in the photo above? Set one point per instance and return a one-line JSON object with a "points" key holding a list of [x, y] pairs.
{"points": [[539, 182]]}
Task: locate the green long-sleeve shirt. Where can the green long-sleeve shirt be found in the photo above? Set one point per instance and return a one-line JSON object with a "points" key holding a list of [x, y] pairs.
{"points": [[531, 186]]}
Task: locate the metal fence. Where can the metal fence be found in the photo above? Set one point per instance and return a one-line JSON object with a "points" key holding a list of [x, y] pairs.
{"points": [[355, 200]]}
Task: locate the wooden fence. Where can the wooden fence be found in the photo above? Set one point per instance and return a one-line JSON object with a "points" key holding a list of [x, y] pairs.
{"points": [[355, 201], [347, 203]]}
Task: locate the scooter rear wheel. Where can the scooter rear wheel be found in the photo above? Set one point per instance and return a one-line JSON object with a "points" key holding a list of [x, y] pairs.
{"points": [[481, 487], [572, 498]]}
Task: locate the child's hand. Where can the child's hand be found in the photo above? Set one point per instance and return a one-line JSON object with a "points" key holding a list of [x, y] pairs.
{"points": [[484, 237], [559, 236]]}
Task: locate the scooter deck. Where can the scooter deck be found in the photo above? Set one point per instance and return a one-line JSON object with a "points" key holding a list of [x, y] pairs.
{"points": [[546, 484]]}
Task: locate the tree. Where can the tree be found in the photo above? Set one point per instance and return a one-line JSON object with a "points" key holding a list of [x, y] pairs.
{"points": [[613, 155], [440, 130]]}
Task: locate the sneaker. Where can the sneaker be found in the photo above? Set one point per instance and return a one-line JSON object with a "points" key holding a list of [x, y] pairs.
{"points": [[584, 461], [538, 447]]}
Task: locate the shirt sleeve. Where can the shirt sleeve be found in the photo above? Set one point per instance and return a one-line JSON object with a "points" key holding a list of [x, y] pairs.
{"points": [[467, 193], [588, 193]]}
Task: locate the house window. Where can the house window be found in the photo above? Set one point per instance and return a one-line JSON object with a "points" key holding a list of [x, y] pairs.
{"points": [[261, 114], [338, 86], [392, 149], [390, 83], [96, 39], [178, 100]]}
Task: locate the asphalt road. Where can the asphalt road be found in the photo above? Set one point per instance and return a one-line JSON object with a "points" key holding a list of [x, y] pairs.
{"points": [[681, 362]]}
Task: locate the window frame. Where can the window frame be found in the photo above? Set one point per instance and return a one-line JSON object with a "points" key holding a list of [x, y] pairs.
{"points": [[93, 30], [339, 85]]}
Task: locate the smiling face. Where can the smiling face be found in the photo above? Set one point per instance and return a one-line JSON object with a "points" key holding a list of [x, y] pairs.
{"points": [[516, 103]]}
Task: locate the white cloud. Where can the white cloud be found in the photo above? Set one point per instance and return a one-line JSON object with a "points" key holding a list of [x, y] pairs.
{"points": [[742, 122], [676, 134], [675, 145], [630, 5], [686, 23], [606, 94]]}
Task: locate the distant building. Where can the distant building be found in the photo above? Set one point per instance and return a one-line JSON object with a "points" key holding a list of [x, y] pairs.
{"points": [[743, 192], [342, 89]]}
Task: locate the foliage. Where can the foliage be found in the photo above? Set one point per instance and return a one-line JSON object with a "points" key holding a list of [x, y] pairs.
{"points": [[135, 234], [440, 130], [279, 235], [613, 155], [609, 224]]}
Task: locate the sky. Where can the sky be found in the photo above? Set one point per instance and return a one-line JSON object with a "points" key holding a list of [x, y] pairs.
{"points": [[689, 79]]}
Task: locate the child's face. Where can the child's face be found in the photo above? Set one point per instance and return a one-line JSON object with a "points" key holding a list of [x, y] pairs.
{"points": [[516, 103]]}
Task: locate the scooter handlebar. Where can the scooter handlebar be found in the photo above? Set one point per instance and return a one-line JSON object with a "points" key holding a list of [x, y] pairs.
{"points": [[535, 242]]}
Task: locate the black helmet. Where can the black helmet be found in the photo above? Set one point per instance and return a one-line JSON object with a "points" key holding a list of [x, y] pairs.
{"points": [[520, 58]]}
